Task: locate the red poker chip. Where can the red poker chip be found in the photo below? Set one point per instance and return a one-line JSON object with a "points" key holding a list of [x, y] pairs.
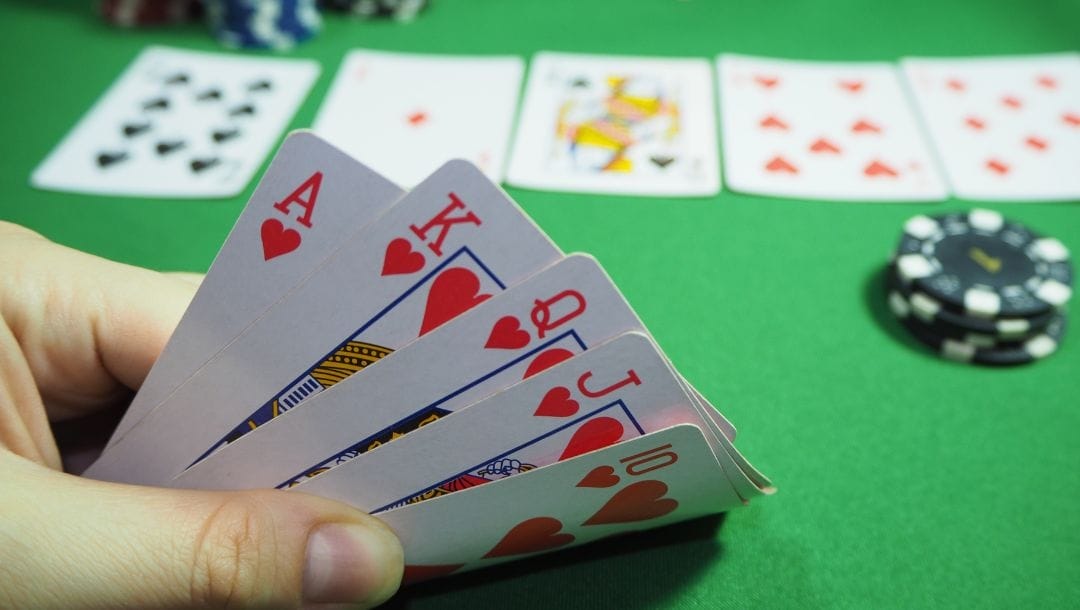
{"points": [[140, 13]]}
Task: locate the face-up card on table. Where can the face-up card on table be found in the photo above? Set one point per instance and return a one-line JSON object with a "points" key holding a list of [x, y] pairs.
{"points": [[311, 199], [646, 482], [407, 114], [611, 393], [822, 130], [450, 244], [629, 125], [179, 124], [544, 320], [1004, 127]]}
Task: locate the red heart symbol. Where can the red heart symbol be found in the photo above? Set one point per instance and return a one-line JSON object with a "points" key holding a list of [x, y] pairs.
{"points": [[955, 84], [600, 477], [507, 334], [415, 574], [454, 291], [975, 123], [592, 435], [773, 122], [531, 536], [998, 167], [417, 118], [1037, 143], [864, 126], [1047, 82], [766, 81], [877, 168], [639, 501], [276, 239], [1012, 102], [821, 145], [546, 360], [401, 258], [1070, 118], [557, 403], [779, 164], [853, 86]]}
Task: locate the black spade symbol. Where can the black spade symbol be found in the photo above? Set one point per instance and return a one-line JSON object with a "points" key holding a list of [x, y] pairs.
{"points": [[209, 94], [261, 85], [224, 135], [201, 165], [107, 159], [168, 146], [134, 129], [661, 161], [158, 103], [179, 78], [247, 109]]}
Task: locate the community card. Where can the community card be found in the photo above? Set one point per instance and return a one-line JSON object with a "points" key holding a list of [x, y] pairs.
{"points": [[1005, 128], [822, 130], [406, 114], [311, 199], [628, 125], [452, 243], [180, 123], [616, 391], [646, 482], [544, 320]]}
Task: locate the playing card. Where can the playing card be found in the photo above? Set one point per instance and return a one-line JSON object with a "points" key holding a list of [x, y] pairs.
{"points": [[646, 482], [544, 320], [180, 123], [407, 114], [609, 124], [611, 393], [1004, 127], [450, 244], [311, 199], [822, 130]]}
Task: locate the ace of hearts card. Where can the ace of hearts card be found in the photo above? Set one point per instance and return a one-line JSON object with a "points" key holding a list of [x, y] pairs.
{"points": [[625, 125]]}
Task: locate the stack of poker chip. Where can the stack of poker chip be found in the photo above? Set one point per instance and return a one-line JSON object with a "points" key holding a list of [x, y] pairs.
{"points": [[263, 24], [977, 287], [399, 10]]}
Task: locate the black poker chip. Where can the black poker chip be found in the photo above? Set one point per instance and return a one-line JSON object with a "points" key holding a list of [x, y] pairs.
{"points": [[981, 265], [953, 324], [1030, 350]]}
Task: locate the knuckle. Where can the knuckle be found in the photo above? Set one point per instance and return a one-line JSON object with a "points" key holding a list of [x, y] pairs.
{"points": [[233, 552]]}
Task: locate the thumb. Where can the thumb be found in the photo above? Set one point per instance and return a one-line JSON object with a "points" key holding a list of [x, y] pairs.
{"points": [[68, 542]]}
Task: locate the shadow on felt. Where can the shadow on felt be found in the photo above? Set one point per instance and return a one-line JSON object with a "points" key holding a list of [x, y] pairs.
{"points": [[632, 570]]}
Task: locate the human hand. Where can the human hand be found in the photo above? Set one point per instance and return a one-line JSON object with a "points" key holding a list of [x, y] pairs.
{"points": [[77, 333]]}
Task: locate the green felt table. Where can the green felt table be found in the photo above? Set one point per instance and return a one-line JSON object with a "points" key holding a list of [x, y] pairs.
{"points": [[904, 480]]}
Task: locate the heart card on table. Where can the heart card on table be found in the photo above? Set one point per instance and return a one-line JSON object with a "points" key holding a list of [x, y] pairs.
{"points": [[405, 114], [822, 130], [1005, 128]]}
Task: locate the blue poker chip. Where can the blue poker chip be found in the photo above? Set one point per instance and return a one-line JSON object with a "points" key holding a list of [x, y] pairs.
{"points": [[263, 24]]}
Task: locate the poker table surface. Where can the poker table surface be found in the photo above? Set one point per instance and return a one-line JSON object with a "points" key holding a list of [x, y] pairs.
{"points": [[903, 480]]}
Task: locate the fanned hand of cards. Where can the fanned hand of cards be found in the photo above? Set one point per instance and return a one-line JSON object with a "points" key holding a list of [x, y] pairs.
{"points": [[336, 320]]}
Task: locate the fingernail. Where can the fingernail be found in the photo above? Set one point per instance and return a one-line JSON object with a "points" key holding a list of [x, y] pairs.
{"points": [[350, 563]]}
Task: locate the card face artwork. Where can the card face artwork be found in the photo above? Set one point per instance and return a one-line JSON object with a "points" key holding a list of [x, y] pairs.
{"points": [[822, 130], [180, 124], [309, 201], [653, 480], [1006, 128], [406, 114], [607, 124]]}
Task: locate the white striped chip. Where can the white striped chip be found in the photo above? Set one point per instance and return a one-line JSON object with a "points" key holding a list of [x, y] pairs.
{"points": [[924, 307], [1040, 346], [1013, 327], [913, 266], [957, 350], [1054, 292], [1050, 249], [980, 302], [986, 220], [921, 226]]}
